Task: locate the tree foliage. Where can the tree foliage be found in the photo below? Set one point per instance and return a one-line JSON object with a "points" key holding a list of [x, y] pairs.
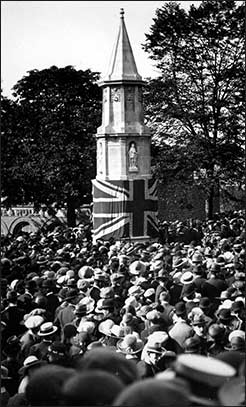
{"points": [[57, 111], [196, 106]]}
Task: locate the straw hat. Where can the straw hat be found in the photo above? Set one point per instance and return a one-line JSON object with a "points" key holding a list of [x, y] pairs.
{"points": [[47, 329], [187, 278]]}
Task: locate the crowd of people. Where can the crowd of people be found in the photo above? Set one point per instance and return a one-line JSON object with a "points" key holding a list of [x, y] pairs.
{"points": [[121, 323]]}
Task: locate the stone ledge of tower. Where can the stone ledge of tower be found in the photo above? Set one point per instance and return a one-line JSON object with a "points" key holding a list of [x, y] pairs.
{"points": [[123, 81]]}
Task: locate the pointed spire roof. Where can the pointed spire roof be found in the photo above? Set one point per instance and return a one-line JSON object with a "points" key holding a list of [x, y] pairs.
{"points": [[123, 66]]}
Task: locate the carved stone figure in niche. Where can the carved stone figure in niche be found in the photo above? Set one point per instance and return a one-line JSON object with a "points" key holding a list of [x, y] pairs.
{"points": [[115, 94], [133, 157]]}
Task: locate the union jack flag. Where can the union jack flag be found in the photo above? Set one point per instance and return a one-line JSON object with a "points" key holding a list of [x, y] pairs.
{"points": [[124, 209]]}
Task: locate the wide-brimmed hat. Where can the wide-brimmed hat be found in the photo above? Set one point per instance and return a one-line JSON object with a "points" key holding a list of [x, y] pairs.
{"points": [[30, 362], [154, 347], [105, 326], [187, 278], [47, 329], [130, 345], [107, 292], [87, 327], [135, 290], [117, 331], [198, 320], [142, 312], [104, 304], [137, 267], [89, 302], [197, 258], [33, 321], [86, 272]]}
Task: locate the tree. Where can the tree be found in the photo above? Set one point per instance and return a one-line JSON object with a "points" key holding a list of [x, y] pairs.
{"points": [[58, 111], [195, 107]]}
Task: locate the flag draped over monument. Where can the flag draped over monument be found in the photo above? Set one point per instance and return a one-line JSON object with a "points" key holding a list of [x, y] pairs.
{"points": [[124, 193], [125, 208]]}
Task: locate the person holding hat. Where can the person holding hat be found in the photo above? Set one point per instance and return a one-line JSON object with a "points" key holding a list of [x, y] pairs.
{"points": [[47, 334]]}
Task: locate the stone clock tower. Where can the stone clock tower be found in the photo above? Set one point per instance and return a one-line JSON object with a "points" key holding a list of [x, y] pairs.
{"points": [[124, 194]]}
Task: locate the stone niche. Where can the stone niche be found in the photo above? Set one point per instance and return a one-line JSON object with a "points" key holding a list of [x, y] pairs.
{"points": [[116, 161]]}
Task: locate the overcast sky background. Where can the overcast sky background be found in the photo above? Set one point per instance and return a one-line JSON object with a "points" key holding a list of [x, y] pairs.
{"points": [[39, 34]]}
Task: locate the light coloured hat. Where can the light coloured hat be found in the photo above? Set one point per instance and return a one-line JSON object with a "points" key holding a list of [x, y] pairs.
{"points": [[47, 329], [197, 258], [29, 362], [105, 326], [149, 292], [86, 326], [132, 301], [156, 265], [203, 369], [158, 336], [89, 302], [135, 290], [137, 267], [237, 333], [34, 321], [187, 278], [117, 331], [227, 304]]}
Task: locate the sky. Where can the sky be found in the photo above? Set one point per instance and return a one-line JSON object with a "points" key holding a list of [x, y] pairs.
{"points": [[39, 34]]}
